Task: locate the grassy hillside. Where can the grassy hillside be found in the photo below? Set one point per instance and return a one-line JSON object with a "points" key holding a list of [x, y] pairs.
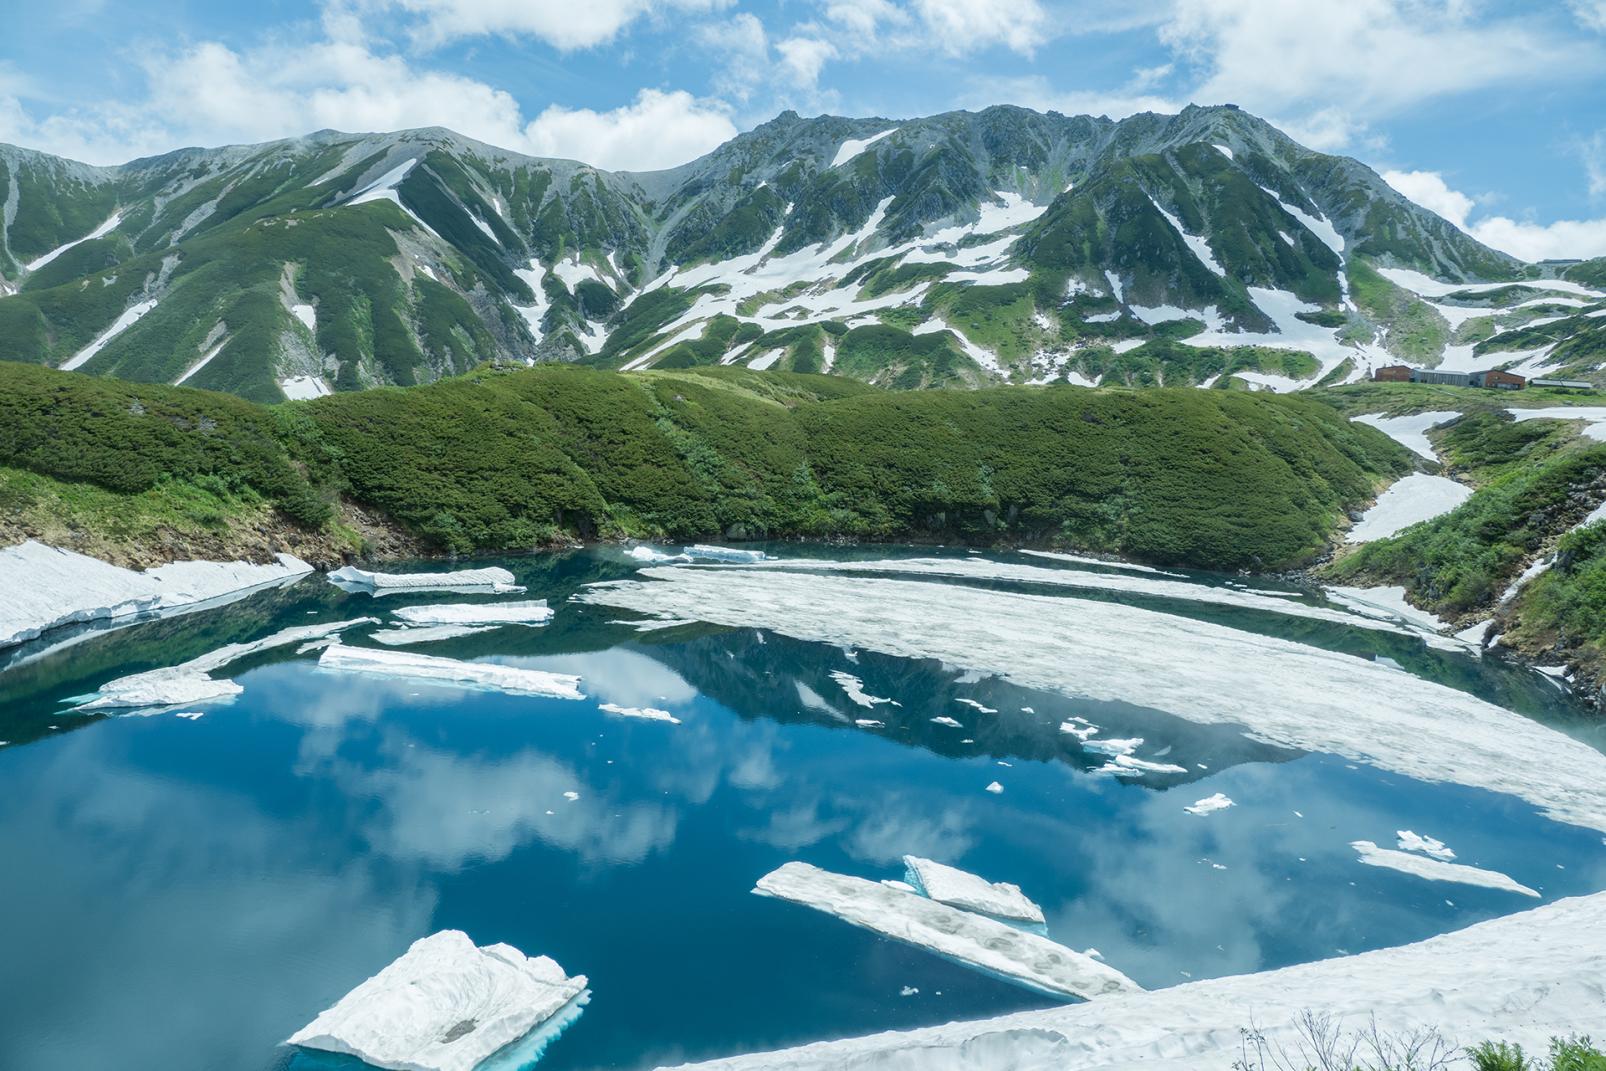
{"points": [[502, 460], [1537, 481]]}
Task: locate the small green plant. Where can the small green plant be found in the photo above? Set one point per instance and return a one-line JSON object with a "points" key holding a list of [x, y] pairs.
{"points": [[1498, 1056]]}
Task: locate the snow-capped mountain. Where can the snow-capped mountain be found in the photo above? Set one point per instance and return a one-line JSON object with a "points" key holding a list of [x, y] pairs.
{"points": [[960, 249]]}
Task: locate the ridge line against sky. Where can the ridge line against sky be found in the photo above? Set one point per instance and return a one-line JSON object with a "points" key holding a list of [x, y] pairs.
{"points": [[1489, 112]]}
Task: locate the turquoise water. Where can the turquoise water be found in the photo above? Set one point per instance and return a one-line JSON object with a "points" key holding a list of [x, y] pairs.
{"points": [[186, 893]]}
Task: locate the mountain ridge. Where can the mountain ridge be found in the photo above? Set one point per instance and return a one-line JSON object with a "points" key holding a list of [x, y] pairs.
{"points": [[949, 250]]}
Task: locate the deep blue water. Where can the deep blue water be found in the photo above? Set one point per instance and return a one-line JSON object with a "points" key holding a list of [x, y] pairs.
{"points": [[185, 894]]}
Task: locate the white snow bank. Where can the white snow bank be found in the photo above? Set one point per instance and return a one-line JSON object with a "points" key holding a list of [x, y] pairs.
{"points": [[978, 568], [528, 612], [204, 360], [1594, 414], [402, 637], [1281, 692], [1409, 431], [961, 889], [446, 1005], [351, 578], [487, 676], [1210, 805], [854, 146], [1524, 978], [1426, 286], [1387, 601], [1422, 866], [1417, 498], [304, 388], [124, 321], [1409, 841], [704, 552], [384, 186], [99, 232], [307, 315], [974, 940], [46, 588], [644, 713], [191, 682]]}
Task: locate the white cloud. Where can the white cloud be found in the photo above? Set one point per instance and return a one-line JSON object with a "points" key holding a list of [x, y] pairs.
{"points": [[962, 26], [563, 24], [657, 130], [1428, 189], [802, 58], [1034, 91], [1591, 13], [1561, 240], [210, 94], [1377, 57]]}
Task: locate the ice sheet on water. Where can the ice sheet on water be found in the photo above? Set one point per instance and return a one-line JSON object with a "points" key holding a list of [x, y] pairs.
{"points": [[1279, 691], [487, 676], [995, 947], [704, 552], [403, 637], [491, 578], [526, 612], [446, 1005], [191, 682], [1408, 841]]}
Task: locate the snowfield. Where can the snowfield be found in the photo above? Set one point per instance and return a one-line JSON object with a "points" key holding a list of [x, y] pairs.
{"points": [[1417, 498]]}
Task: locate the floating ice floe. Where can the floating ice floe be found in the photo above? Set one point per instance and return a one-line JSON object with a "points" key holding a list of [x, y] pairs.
{"points": [[190, 682], [704, 552], [402, 637], [1388, 601], [1210, 805], [487, 676], [1437, 869], [1524, 978], [1413, 842], [965, 937], [47, 588], [1131, 766], [641, 552], [446, 1005], [995, 788], [527, 612], [943, 719], [978, 707], [958, 888], [1416, 498], [1278, 691], [853, 687], [1108, 563], [492, 578], [645, 713], [869, 723]]}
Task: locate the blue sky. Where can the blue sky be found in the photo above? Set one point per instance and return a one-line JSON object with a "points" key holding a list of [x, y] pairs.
{"points": [[1493, 114]]}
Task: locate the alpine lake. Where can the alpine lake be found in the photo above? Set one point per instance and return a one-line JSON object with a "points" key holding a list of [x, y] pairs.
{"points": [[184, 891]]}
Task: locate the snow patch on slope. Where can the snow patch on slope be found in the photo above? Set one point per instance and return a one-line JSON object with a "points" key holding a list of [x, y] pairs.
{"points": [[129, 317]]}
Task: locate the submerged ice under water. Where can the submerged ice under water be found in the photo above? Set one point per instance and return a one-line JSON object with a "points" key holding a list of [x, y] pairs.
{"points": [[232, 875]]}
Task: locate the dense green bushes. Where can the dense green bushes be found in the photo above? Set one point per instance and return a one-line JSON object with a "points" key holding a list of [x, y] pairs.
{"points": [[514, 459], [129, 438]]}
